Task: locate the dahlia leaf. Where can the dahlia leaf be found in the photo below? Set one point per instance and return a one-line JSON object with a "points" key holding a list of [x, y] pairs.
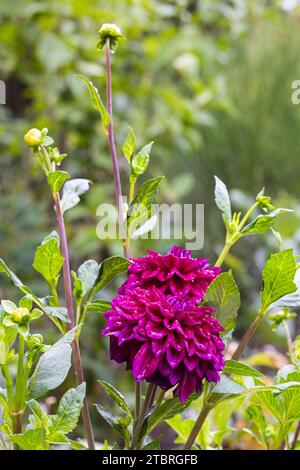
{"points": [[129, 145], [71, 192], [52, 367], [98, 306], [222, 200], [240, 369], [228, 387], [153, 445], [118, 423], [223, 296], [141, 210], [278, 278], [96, 101], [116, 396], [32, 439], [85, 278], [167, 410], [263, 222], [56, 179], [68, 412], [58, 312], [140, 161], [109, 268], [48, 260]]}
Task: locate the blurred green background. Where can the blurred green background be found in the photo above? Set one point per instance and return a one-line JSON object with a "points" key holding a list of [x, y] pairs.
{"points": [[208, 81]]}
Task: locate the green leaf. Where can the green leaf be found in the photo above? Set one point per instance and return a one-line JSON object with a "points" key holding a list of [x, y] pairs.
{"points": [[116, 396], [256, 416], [167, 410], [228, 386], [109, 268], [8, 306], [58, 312], [223, 296], [87, 274], [154, 444], [263, 222], [96, 101], [278, 277], [32, 439], [71, 192], [98, 306], [141, 210], [129, 145], [118, 423], [222, 200], [26, 302], [48, 261], [68, 412], [238, 368], [52, 367], [56, 179], [140, 161]]}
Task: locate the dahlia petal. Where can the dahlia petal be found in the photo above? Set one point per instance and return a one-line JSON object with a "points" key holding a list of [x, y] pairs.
{"points": [[144, 363]]}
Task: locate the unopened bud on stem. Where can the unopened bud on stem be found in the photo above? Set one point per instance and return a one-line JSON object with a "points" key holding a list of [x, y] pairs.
{"points": [[33, 137], [111, 32]]}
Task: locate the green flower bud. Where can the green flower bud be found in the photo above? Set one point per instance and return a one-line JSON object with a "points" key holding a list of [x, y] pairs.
{"points": [[19, 314], [111, 32], [33, 138]]}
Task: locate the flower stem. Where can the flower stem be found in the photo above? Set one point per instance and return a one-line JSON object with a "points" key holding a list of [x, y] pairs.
{"points": [[197, 426], [224, 253], [247, 337], [139, 425], [288, 339], [112, 148], [70, 308]]}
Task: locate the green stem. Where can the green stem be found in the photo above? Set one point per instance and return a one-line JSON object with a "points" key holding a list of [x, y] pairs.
{"points": [[197, 426], [136, 435], [247, 215], [19, 387], [224, 253], [288, 339], [9, 385]]}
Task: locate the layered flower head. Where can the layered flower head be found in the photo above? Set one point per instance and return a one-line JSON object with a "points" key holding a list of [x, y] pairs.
{"points": [[164, 340], [176, 274]]}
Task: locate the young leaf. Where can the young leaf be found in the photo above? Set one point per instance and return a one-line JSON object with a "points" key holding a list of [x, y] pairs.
{"points": [[139, 162], [8, 306], [262, 223], [240, 369], [71, 192], [278, 277], [223, 296], [109, 268], [154, 444], [129, 145], [48, 261], [56, 179], [141, 210], [96, 101], [87, 274], [98, 306], [222, 200], [68, 412], [118, 423], [52, 367], [116, 396]]}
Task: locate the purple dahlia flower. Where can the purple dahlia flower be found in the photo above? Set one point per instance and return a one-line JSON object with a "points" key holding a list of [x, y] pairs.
{"points": [[175, 273], [165, 342]]}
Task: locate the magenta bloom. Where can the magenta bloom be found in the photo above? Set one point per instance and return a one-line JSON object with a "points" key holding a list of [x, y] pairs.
{"points": [[162, 340], [175, 273]]}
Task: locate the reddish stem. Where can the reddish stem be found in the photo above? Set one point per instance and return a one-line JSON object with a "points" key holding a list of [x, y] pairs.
{"points": [[70, 307]]}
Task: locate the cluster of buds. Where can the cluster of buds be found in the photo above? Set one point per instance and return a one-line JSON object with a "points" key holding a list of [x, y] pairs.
{"points": [[109, 32]]}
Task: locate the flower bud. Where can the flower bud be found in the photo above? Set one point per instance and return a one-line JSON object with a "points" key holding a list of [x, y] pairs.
{"points": [[19, 314], [33, 137], [111, 32]]}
